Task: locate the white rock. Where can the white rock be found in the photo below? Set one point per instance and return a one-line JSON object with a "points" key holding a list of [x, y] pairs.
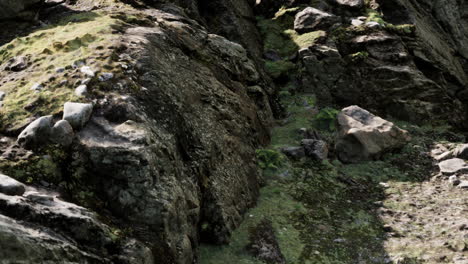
{"points": [[87, 71], [364, 136], [357, 22], [2, 95], [81, 90], [62, 133], [373, 24], [463, 185], [77, 114], [36, 133], [37, 87], [452, 166], [10, 186]]}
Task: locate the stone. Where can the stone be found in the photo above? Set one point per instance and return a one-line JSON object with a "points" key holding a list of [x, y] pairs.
{"points": [[311, 19], [87, 71], [81, 90], [315, 149], [86, 81], [461, 151], [452, 166], [463, 185], [37, 87], [2, 95], [364, 136], [453, 180], [60, 70], [62, 133], [36, 133], [10, 186], [106, 76], [373, 24], [354, 4], [294, 152], [77, 114], [17, 64], [357, 22], [42, 228]]}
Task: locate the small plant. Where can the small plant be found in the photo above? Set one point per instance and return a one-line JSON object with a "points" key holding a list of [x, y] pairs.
{"points": [[326, 119], [269, 159]]}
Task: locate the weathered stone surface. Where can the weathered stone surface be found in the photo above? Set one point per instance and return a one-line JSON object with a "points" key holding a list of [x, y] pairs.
{"points": [[11, 8], [62, 133], [41, 228], [77, 114], [10, 186], [179, 155], [364, 136], [311, 19], [294, 152], [453, 166], [36, 133], [316, 149], [81, 90]]}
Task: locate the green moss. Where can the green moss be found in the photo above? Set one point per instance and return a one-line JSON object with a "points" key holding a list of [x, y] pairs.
{"points": [[359, 56], [375, 16], [74, 38], [274, 38], [307, 39], [274, 204], [278, 69]]}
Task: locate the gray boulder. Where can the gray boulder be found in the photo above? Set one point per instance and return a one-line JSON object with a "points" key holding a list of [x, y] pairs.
{"points": [[311, 19], [62, 133], [36, 133], [2, 95], [452, 166], [81, 90], [294, 152], [316, 149], [363, 136], [77, 114], [10, 186], [12, 8]]}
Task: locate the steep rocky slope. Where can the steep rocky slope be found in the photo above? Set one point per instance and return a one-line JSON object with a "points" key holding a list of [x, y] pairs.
{"points": [[136, 126]]}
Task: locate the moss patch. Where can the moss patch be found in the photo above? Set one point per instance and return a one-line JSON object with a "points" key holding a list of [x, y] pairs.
{"points": [[75, 38]]}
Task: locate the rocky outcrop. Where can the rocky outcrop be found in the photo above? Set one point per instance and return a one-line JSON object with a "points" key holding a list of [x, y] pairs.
{"points": [[401, 67], [311, 19], [364, 136], [38, 227], [175, 159]]}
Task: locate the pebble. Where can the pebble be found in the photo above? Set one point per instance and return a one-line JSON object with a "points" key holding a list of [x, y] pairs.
{"points": [[87, 71], [37, 87], [106, 76], [81, 90]]}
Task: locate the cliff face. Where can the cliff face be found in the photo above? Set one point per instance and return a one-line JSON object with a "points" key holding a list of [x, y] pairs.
{"points": [[182, 96]]}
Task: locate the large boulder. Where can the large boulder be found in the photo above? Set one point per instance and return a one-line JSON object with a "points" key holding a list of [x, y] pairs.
{"points": [[11, 8], [36, 133], [363, 136], [10, 186], [311, 19], [77, 114]]}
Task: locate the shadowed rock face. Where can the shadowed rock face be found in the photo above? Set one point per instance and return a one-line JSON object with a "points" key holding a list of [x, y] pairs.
{"points": [[12, 8], [180, 155]]}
